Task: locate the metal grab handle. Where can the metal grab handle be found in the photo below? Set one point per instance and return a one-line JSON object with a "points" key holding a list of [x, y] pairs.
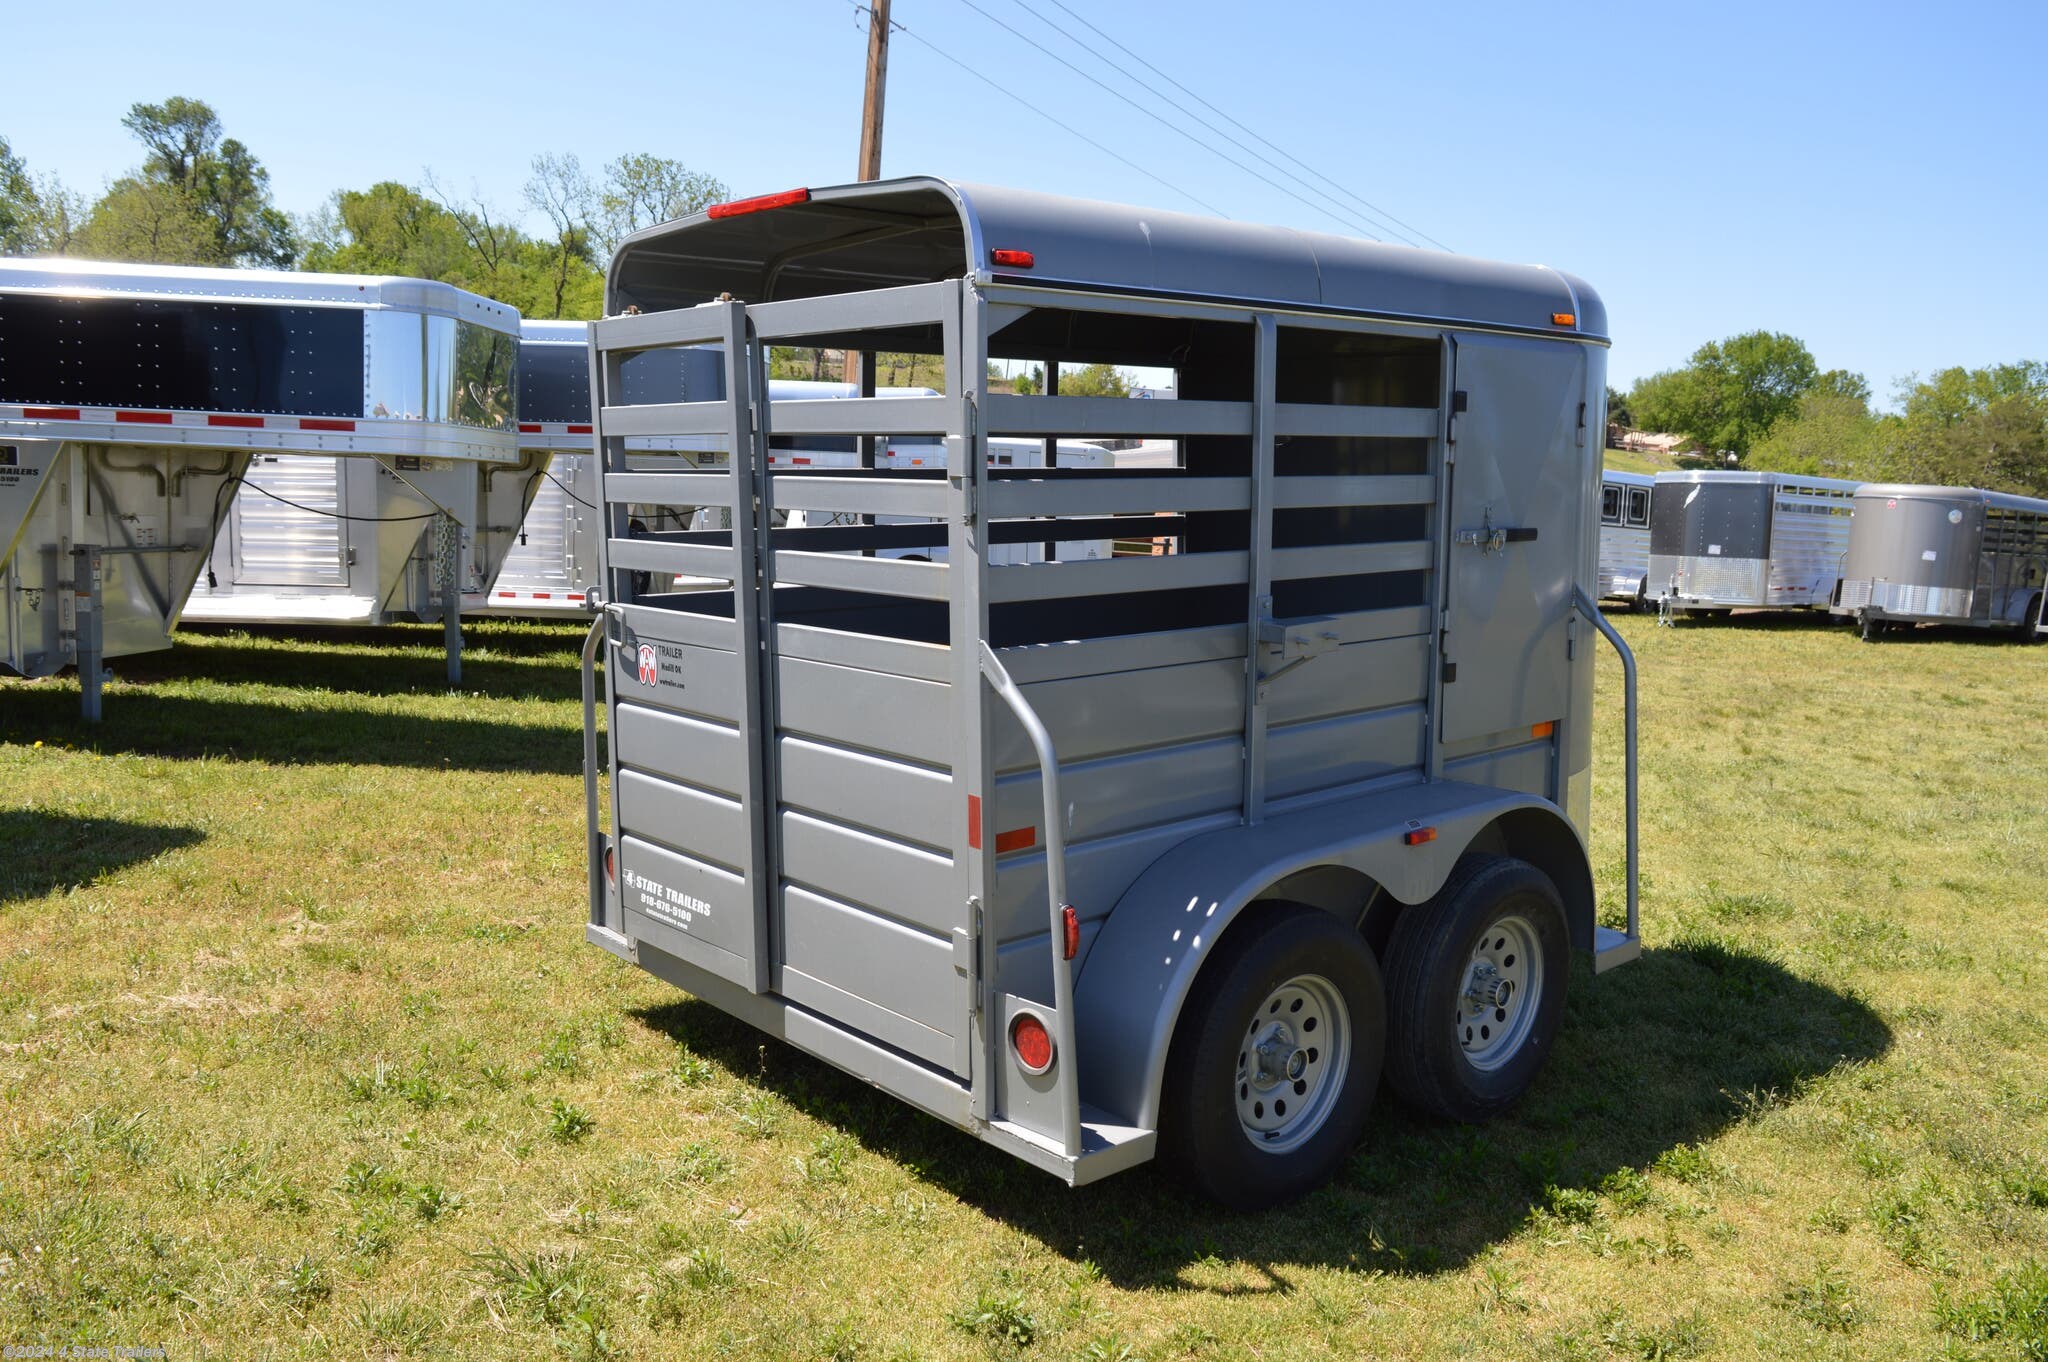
{"points": [[592, 836], [1591, 610], [1056, 892]]}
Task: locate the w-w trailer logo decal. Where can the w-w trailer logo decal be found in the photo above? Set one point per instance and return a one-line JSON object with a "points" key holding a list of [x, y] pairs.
{"points": [[648, 671]]}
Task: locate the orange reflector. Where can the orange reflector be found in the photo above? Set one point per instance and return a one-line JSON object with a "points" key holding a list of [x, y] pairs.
{"points": [[1544, 729], [758, 204], [1031, 1043], [1070, 923], [1415, 837], [1563, 319], [1016, 260]]}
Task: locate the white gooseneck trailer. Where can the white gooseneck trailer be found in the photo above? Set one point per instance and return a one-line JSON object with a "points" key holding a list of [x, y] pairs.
{"points": [[133, 398], [1722, 540], [1625, 535]]}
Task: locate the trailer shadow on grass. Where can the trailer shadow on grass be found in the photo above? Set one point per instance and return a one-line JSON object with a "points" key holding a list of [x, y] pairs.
{"points": [[49, 850], [1664, 1053], [148, 722], [503, 661]]}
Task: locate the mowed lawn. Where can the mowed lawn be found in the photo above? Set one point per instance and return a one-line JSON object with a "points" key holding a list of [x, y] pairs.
{"points": [[301, 1053]]}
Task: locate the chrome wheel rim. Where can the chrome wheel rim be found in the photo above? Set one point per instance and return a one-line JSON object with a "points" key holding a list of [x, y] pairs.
{"points": [[1500, 993], [1291, 1063]]}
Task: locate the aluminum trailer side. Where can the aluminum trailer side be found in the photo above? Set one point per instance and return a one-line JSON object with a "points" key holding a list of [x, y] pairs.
{"points": [[1149, 854], [134, 397], [1722, 540], [1624, 570], [1944, 555]]}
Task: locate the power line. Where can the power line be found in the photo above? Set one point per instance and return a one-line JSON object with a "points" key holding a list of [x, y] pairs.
{"points": [[1378, 218], [1364, 203], [907, 32], [1168, 123]]}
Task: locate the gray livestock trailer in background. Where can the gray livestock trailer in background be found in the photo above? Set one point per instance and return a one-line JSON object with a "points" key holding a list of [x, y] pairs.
{"points": [[133, 399], [1724, 540], [1158, 854], [1624, 566], [1944, 555]]}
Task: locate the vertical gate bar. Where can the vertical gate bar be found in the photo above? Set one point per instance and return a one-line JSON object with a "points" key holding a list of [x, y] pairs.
{"points": [[746, 458], [768, 822], [965, 330], [1440, 579], [1259, 562], [607, 456]]}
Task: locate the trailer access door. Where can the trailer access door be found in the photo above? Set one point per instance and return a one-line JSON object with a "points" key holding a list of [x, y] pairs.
{"points": [[783, 779], [1516, 465], [290, 533]]}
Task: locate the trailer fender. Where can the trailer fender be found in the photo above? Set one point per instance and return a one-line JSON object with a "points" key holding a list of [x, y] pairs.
{"points": [[1138, 970]]}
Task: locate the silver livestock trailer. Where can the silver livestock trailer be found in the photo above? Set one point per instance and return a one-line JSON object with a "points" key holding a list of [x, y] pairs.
{"points": [[1624, 566], [1944, 555], [1722, 540], [1143, 854], [134, 398], [328, 539]]}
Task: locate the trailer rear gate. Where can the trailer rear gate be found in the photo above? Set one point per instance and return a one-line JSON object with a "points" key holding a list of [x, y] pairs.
{"points": [[1330, 505]]}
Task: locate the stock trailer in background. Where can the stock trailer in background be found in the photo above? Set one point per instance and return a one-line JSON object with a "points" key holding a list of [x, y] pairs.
{"points": [[1161, 853], [1625, 536], [1945, 555], [1721, 541], [134, 398]]}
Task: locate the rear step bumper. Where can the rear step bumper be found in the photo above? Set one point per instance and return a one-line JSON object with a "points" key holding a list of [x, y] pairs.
{"points": [[1107, 1146]]}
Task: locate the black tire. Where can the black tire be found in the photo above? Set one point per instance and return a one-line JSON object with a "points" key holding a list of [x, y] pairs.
{"points": [[1431, 961], [2031, 631], [1641, 604], [1201, 1134]]}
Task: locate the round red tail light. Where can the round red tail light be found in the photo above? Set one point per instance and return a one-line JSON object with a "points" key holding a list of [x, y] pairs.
{"points": [[1031, 1043], [611, 866]]}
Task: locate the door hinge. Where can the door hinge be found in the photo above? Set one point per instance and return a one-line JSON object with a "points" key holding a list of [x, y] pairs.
{"points": [[967, 951]]}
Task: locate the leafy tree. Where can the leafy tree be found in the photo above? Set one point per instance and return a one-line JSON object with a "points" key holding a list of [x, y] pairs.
{"points": [[1618, 412], [37, 216], [1978, 427], [1093, 380], [1832, 434], [17, 200], [642, 189], [198, 198], [1732, 392]]}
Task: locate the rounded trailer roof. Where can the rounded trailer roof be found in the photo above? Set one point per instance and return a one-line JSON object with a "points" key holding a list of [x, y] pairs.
{"points": [[1628, 479], [65, 276], [1754, 476], [1920, 491], [553, 332], [909, 231]]}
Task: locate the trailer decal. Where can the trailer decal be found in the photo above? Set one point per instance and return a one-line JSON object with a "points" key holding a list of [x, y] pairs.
{"points": [[663, 904]]}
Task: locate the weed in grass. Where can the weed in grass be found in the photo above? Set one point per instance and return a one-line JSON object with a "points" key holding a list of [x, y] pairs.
{"points": [[430, 1201], [1573, 1205], [841, 1343], [692, 1071], [548, 1285], [788, 1237], [760, 1117], [1627, 1188], [1684, 1336], [1000, 1316], [561, 1054], [2013, 1314], [1688, 1163], [1187, 1338], [705, 1268], [304, 1282], [827, 1161], [1111, 1348], [702, 1163], [369, 1236], [363, 1178], [567, 1122], [1826, 1301], [402, 1327]]}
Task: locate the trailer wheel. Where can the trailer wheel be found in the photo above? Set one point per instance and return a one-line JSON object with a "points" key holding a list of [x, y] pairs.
{"points": [[2035, 629], [1275, 1059], [1641, 604], [1475, 988], [1871, 628]]}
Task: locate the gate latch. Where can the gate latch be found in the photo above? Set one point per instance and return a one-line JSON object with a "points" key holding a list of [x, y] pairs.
{"points": [[1492, 538], [1295, 642]]}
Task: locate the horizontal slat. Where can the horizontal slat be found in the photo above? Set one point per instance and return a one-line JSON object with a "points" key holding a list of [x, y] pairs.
{"points": [[870, 310], [1109, 494], [666, 418], [1302, 418], [861, 416], [1009, 414], [849, 572], [875, 495], [1355, 490], [670, 489], [1346, 560], [685, 560], [678, 326], [1108, 576]]}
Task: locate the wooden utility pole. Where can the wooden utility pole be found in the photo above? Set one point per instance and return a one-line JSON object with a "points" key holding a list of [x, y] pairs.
{"points": [[871, 122]]}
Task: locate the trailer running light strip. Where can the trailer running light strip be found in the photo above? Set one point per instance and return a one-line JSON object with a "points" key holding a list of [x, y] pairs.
{"points": [[127, 417], [758, 204], [1016, 260]]}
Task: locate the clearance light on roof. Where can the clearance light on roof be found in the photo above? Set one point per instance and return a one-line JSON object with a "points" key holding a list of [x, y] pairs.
{"points": [[759, 204], [1556, 318], [1016, 260]]}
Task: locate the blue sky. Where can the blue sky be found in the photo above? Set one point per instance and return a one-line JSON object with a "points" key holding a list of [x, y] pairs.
{"points": [[1866, 177]]}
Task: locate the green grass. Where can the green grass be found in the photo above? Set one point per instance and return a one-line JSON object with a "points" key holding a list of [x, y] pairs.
{"points": [[301, 1055], [1638, 461]]}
